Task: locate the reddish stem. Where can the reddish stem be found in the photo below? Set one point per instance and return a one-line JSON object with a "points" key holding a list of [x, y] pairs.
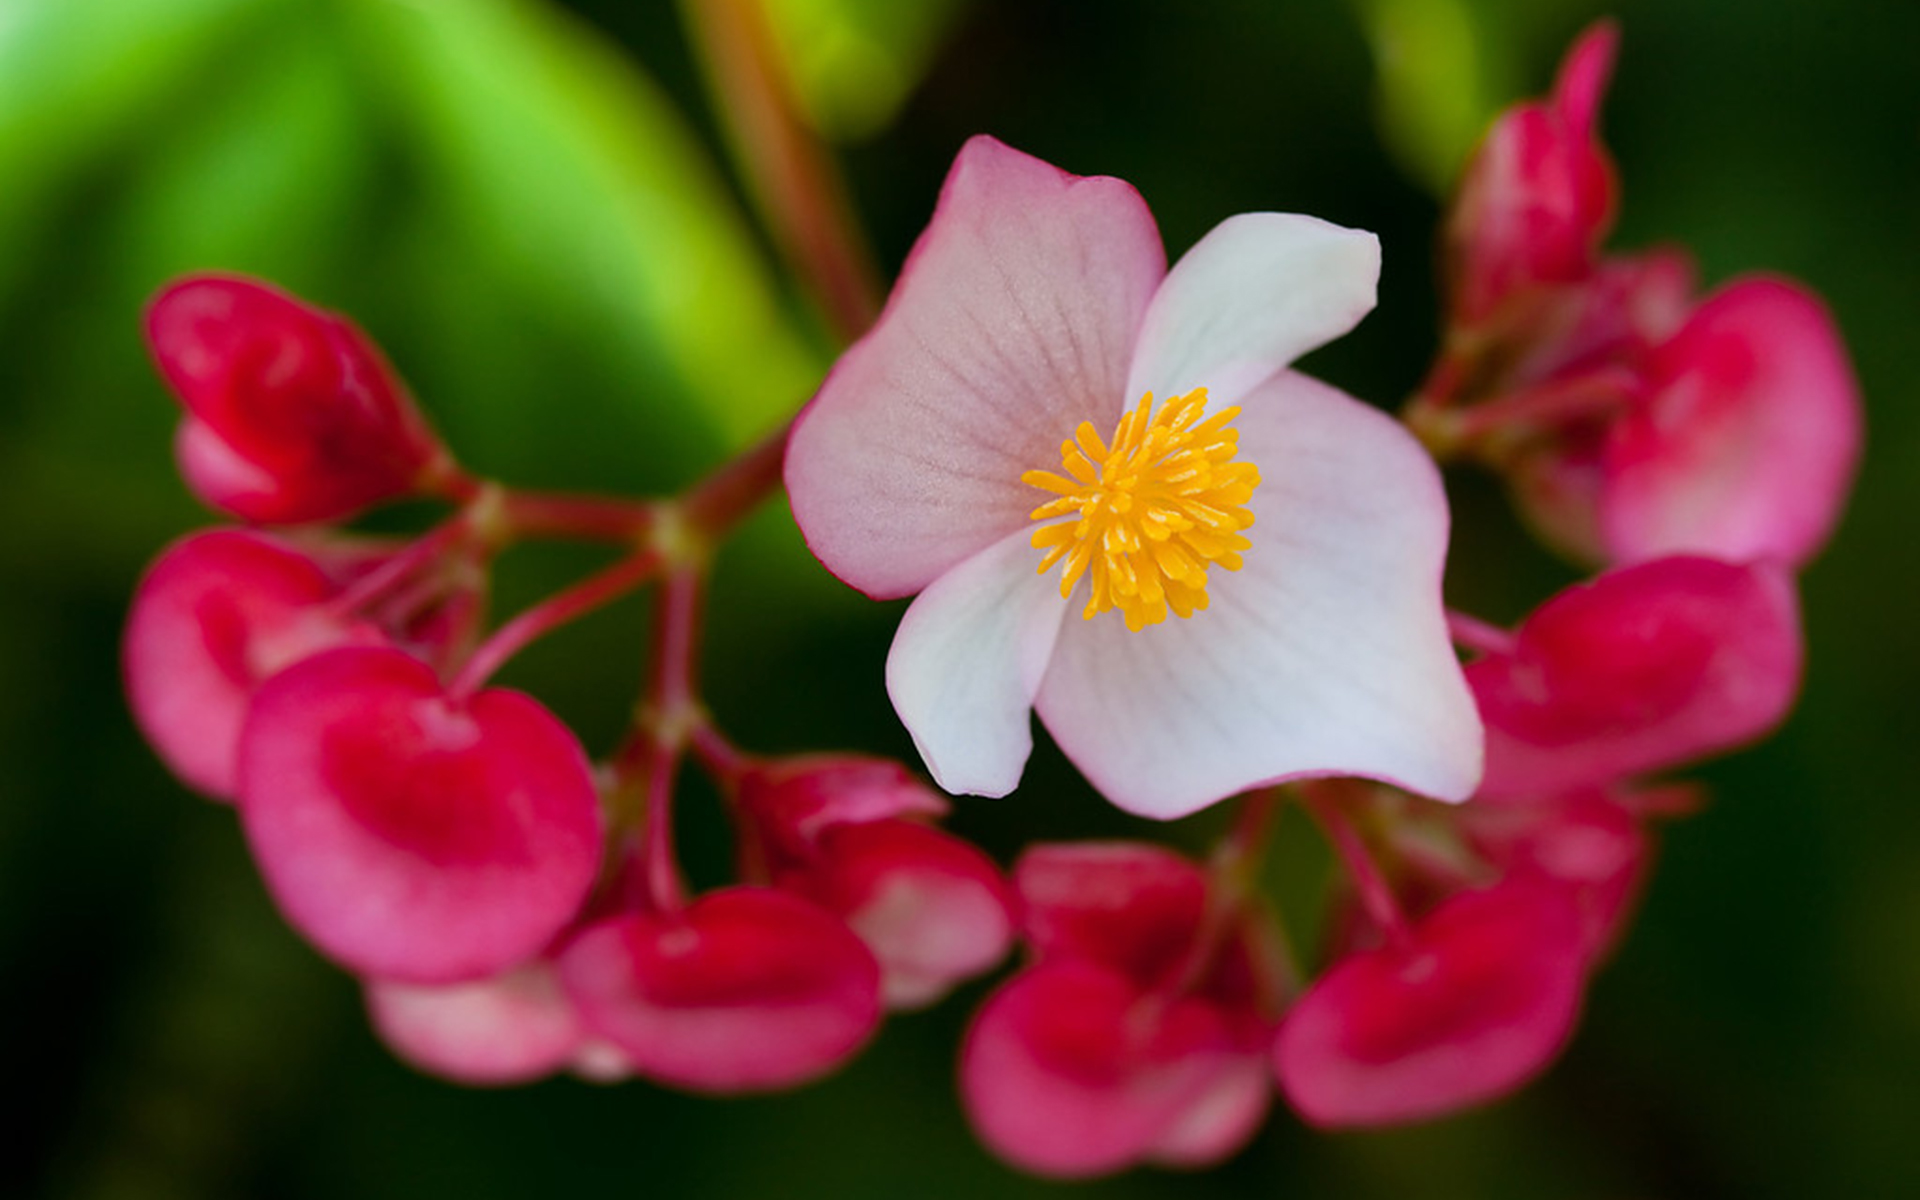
{"points": [[398, 567], [719, 501], [671, 716], [794, 181], [1376, 894], [1235, 861], [596, 518], [551, 613], [1481, 637], [720, 757], [1549, 405]]}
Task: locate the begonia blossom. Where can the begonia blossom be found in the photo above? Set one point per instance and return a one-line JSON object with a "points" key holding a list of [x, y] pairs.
{"points": [[1054, 440], [1140, 1031]]}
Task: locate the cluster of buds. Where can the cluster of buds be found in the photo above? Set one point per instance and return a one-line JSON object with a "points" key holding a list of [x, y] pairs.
{"points": [[1630, 418], [516, 909], [513, 908]]}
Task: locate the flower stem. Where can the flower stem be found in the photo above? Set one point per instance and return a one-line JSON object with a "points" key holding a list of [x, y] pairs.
{"points": [[1231, 871], [551, 613], [793, 180], [1376, 894], [595, 518], [668, 719], [719, 501], [1550, 405], [402, 565], [1481, 637]]}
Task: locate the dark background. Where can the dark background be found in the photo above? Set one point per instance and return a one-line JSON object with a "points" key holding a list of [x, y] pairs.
{"points": [[531, 214]]}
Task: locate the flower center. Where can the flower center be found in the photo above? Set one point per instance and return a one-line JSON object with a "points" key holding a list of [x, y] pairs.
{"points": [[1153, 510]]}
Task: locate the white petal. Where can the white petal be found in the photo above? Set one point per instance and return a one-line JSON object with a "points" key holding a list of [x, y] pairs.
{"points": [[1326, 654], [1013, 322], [1256, 293], [967, 660]]}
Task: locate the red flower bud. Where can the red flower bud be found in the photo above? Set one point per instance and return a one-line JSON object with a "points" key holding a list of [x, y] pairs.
{"points": [[292, 413]]}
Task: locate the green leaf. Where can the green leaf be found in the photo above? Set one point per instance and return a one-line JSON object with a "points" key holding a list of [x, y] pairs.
{"points": [[567, 169], [1445, 68], [269, 175], [80, 78]]}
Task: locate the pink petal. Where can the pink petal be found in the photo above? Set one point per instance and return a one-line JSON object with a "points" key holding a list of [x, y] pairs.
{"points": [[409, 835], [967, 660], [1644, 668], [1327, 654], [747, 989], [1013, 322], [1222, 1119], [1256, 293], [793, 801], [1133, 907], [1749, 443], [1068, 1070], [933, 909], [511, 1028], [1590, 844], [216, 614], [1478, 1002]]}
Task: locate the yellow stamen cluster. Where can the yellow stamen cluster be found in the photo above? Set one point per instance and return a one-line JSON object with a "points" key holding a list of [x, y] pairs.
{"points": [[1154, 509]]}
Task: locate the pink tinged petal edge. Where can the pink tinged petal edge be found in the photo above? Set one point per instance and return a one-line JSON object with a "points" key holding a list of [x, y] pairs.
{"points": [[1326, 654], [1642, 669], [967, 660], [1251, 296], [218, 612], [1060, 1075], [1013, 321], [408, 836], [511, 1028], [1479, 1002], [1748, 445], [747, 989]]}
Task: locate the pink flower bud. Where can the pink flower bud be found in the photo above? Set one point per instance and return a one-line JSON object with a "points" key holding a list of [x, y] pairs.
{"points": [[792, 801], [510, 1028], [1644, 668], [1586, 842], [933, 909], [1538, 196], [1747, 445], [1477, 1000], [1072, 1069], [1130, 906], [411, 835], [746, 989], [292, 413], [218, 613]]}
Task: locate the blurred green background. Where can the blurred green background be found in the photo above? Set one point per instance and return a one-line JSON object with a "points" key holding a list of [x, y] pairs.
{"points": [[526, 204]]}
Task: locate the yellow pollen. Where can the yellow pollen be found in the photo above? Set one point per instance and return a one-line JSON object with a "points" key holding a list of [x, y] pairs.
{"points": [[1150, 512]]}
